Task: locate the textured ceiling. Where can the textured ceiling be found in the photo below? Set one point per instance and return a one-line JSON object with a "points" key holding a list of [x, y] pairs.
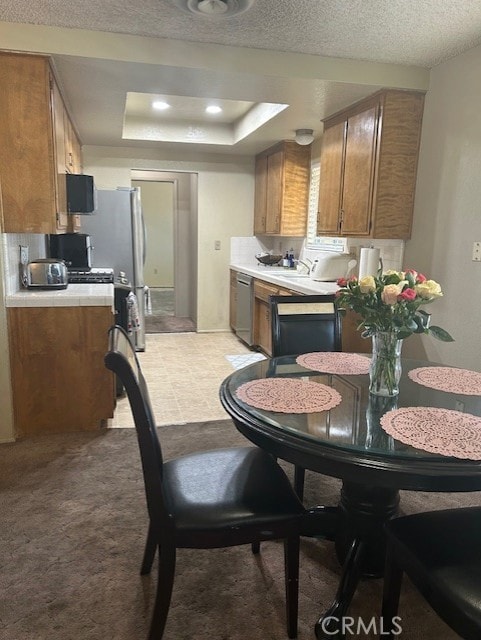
{"points": [[396, 32], [412, 32]]}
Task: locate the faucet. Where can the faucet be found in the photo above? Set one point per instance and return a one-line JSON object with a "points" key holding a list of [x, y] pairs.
{"points": [[304, 263]]}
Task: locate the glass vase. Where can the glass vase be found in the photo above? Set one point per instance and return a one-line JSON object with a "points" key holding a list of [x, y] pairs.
{"points": [[385, 369]]}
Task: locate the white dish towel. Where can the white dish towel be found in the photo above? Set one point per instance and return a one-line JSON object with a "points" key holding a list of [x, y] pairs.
{"points": [[133, 321]]}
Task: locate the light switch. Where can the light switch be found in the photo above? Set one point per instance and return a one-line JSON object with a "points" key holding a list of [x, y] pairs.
{"points": [[477, 251], [217, 245]]}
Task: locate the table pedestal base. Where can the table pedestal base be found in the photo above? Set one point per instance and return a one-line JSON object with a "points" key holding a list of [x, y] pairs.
{"points": [[360, 546]]}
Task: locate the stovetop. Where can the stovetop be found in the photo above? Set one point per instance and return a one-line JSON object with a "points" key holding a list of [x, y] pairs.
{"points": [[102, 275]]}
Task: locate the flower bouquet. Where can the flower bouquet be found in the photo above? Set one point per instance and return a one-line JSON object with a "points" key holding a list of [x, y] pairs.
{"points": [[389, 305]]}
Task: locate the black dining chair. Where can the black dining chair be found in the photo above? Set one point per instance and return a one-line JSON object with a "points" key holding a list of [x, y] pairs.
{"points": [[440, 551], [301, 324], [210, 499]]}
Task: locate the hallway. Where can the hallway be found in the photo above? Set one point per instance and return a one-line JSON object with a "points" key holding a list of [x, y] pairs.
{"points": [[160, 318]]}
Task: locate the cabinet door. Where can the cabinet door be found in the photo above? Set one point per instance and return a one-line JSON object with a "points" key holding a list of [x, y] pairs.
{"points": [[260, 198], [27, 145], [58, 115], [275, 187], [358, 180], [59, 380], [262, 326], [330, 185]]}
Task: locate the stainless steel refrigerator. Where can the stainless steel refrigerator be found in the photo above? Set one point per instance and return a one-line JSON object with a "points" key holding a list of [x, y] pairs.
{"points": [[118, 239]]}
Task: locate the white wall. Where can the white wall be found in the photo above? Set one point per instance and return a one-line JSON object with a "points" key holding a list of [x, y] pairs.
{"points": [[225, 209], [158, 210], [447, 216]]}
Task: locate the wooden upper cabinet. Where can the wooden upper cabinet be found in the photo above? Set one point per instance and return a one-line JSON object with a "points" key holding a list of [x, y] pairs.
{"points": [[282, 190], [58, 115], [358, 173], [330, 186], [368, 166], [32, 139], [260, 197]]}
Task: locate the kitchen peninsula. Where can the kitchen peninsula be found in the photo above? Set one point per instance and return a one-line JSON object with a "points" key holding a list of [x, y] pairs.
{"points": [[58, 340], [270, 281]]}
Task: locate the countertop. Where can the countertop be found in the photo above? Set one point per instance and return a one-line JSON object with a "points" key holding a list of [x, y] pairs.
{"points": [[288, 278], [86, 295]]}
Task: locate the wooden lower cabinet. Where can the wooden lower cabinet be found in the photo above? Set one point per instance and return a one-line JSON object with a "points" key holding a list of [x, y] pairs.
{"points": [[59, 380], [351, 337], [262, 313], [352, 342]]}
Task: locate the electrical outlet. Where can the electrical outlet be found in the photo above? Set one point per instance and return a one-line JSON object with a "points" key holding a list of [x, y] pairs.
{"points": [[23, 255], [217, 245], [477, 251], [459, 406]]}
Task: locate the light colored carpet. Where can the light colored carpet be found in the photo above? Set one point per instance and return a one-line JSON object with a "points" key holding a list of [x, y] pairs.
{"points": [[72, 536]]}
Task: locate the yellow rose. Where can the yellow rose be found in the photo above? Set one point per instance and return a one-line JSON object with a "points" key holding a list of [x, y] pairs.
{"points": [[390, 292], [428, 290], [367, 284]]}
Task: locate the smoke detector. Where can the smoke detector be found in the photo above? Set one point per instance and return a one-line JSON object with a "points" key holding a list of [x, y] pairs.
{"points": [[214, 8]]}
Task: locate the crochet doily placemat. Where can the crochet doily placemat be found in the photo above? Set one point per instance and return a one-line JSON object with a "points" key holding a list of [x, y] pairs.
{"points": [[442, 431], [288, 395], [448, 379], [335, 362]]}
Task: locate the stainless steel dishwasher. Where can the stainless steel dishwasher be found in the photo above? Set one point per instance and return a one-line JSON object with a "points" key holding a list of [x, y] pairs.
{"points": [[245, 294]]}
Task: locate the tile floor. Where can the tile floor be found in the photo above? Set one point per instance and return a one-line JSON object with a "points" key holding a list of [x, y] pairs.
{"points": [[184, 372]]}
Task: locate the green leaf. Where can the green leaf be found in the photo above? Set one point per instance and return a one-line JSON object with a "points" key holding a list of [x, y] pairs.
{"points": [[440, 334]]}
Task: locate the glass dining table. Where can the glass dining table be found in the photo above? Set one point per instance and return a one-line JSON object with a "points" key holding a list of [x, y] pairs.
{"points": [[348, 441]]}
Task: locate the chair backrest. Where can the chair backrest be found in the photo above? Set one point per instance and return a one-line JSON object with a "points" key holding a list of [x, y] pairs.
{"points": [[122, 360], [301, 324]]}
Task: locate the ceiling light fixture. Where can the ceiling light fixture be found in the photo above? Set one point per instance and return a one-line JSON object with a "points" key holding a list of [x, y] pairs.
{"points": [[214, 8], [210, 7], [160, 105], [213, 108], [304, 136]]}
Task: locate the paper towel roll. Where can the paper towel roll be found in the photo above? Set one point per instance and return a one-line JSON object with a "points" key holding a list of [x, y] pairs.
{"points": [[369, 262]]}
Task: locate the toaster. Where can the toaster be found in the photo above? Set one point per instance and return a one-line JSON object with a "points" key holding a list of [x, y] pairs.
{"points": [[46, 273]]}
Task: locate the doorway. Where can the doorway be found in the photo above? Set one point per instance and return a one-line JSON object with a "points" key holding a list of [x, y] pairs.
{"points": [[169, 204]]}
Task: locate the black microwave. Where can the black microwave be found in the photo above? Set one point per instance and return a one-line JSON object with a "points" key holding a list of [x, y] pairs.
{"points": [[80, 193]]}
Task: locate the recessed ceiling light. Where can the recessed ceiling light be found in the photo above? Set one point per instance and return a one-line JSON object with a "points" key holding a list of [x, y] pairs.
{"points": [[160, 105], [214, 8], [213, 108]]}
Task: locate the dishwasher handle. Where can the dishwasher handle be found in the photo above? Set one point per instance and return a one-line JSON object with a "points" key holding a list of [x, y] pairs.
{"points": [[244, 280]]}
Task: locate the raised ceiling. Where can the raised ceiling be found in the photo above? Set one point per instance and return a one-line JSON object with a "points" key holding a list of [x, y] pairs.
{"points": [[315, 56]]}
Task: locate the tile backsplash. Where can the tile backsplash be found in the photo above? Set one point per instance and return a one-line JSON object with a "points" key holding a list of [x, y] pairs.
{"points": [[37, 248], [243, 250]]}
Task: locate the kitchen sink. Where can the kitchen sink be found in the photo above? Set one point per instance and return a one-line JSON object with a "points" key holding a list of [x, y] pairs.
{"points": [[292, 274]]}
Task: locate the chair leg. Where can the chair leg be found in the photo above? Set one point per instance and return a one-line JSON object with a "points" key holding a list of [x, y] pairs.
{"points": [[164, 592], [299, 477], [255, 546], [393, 575], [291, 563], [149, 552]]}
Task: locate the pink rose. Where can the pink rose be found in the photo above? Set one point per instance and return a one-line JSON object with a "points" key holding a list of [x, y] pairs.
{"points": [[341, 282], [420, 279], [412, 272], [408, 294]]}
